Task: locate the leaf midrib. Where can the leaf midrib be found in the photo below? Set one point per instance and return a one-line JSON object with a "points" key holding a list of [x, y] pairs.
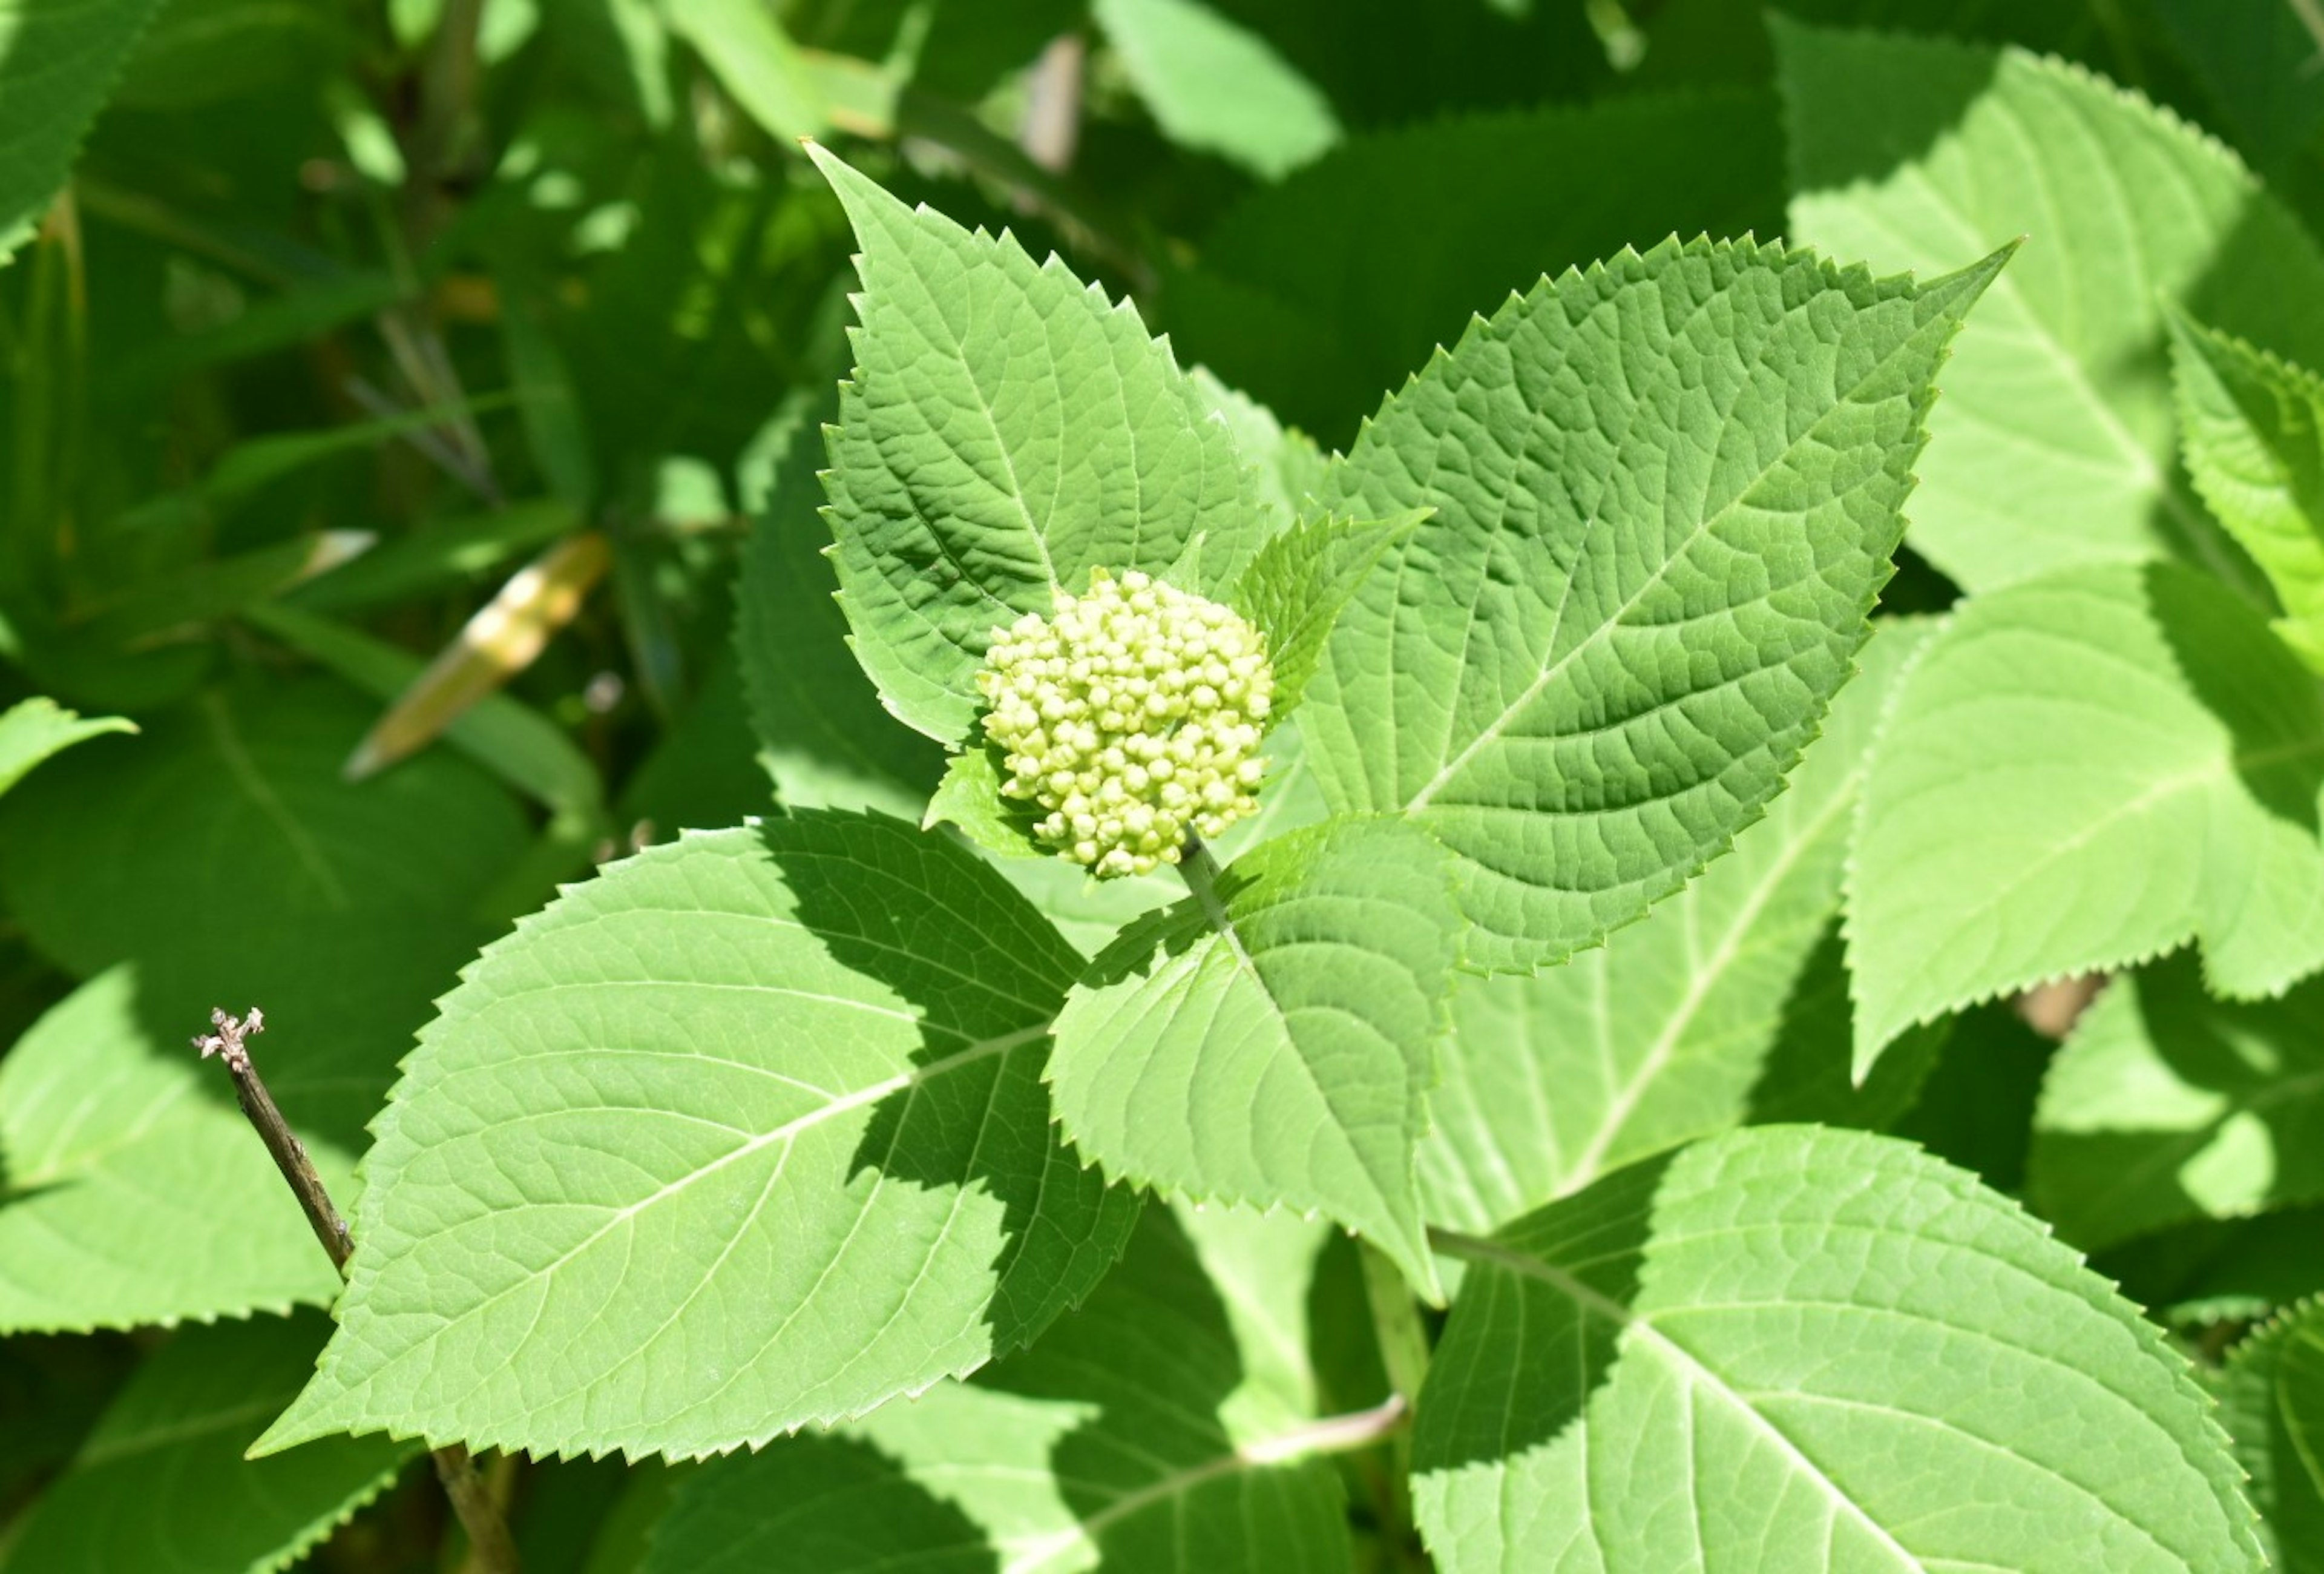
{"points": [[918, 1075], [1492, 731], [1496, 1254]]}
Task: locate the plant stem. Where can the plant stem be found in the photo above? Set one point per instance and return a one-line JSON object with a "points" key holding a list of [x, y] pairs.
{"points": [[1404, 1355], [493, 1551], [1396, 1322]]}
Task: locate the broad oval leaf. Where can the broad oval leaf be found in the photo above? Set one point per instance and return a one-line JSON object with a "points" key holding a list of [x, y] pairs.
{"points": [[1727, 1003], [1666, 492], [2054, 443], [2086, 771], [2166, 1104], [1005, 431], [162, 1484], [1802, 1349], [746, 1133], [1169, 1424], [1271, 1040]]}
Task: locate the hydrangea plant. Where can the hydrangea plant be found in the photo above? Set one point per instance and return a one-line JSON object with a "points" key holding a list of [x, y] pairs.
{"points": [[1546, 639]]}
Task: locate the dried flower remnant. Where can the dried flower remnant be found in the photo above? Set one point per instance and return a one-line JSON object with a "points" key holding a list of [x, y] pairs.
{"points": [[1133, 714], [225, 1044]]}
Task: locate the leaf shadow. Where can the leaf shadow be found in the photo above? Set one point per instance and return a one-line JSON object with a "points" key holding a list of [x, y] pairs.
{"points": [[974, 1114], [1527, 1352], [819, 1500], [1129, 1391], [2226, 1267], [1158, 1338], [2241, 673], [1805, 1074], [2265, 1066]]}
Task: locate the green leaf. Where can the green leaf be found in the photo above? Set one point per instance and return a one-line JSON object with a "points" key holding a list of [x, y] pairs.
{"points": [[1666, 495], [1294, 590], [2248, 428], [1216, 86], [31, 730], [1005, 432], [746, 1133], [2166, 1104], [1271, 1039], [162, 1484], [2054, 443], [1302, 295], [57, 64], [2086, 771], [225, 856], [1793, 1348], [2271, 1402], [131, 1193], [1167, 1425], [755, 61], [1725, 1004], [1290, 466], [823, 735], [970, 799], [2260, 64]]}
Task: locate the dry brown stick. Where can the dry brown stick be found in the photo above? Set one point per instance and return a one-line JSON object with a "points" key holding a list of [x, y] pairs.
{"points": [[488, 1533]]}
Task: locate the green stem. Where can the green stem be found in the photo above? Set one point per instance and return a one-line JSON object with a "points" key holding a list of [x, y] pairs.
{"points": [[1404, 1355], [1396, 1322]]}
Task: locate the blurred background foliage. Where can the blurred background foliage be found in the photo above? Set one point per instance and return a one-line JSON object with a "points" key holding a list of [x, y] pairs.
{"points": [[399, 381]]}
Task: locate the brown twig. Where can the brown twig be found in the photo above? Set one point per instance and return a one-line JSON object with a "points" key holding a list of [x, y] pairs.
{"points": [[495, 1553], [258, 1108]]}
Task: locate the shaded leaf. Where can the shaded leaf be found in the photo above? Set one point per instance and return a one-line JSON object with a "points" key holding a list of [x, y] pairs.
{"points": [[1825, 1348], [2167, 1104], [1303, 296], [1169, 1424], [227, 857], [2083, 772], [2054, 443], [822, 733], [2271, 1402], [162, 1483], [57, 63]]}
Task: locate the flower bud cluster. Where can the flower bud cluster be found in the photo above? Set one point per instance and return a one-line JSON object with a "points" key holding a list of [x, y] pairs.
{"points": [[1133, 716]]}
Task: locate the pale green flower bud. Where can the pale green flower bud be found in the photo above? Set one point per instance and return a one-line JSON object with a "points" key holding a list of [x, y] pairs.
{"points": [[1133, 716]]}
